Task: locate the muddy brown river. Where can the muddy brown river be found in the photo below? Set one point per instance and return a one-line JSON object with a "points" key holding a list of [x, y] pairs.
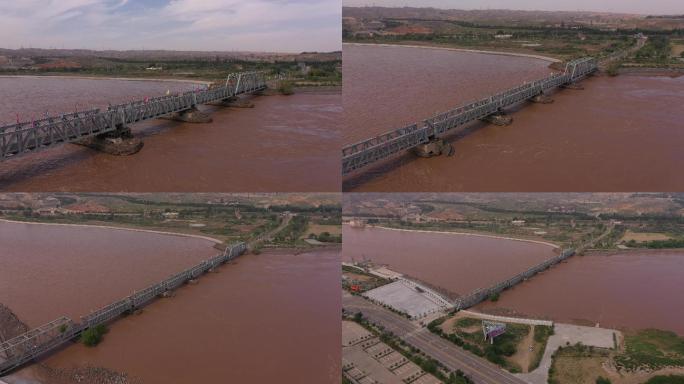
{"points": [[638, 289], [50, 271], [285, 143], [454, 262], [596, 139], [265, 318]]}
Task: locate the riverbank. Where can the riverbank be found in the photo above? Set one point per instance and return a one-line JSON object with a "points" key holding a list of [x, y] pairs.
{"points": [[178, 234], [319, 90], [651, 71], [616, 252], [502, 53], [555, 246], [160, 79]]}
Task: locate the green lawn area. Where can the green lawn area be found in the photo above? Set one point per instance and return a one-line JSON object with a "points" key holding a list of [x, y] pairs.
{"points": [[653, 349], [671, 379]]}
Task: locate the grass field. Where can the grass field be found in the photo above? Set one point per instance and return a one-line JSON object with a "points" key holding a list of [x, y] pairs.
{"points": [[643, 236], [652, 349], [577, 365], [318, 229]]}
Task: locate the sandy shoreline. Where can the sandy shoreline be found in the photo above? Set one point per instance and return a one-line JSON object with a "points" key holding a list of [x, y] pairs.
{"points": [[539, 57], [213, 240], [108, 78], [469, 234]]}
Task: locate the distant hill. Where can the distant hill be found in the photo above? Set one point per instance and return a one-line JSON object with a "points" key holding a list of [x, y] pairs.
{"points": [[159, 55], [506, 17]]}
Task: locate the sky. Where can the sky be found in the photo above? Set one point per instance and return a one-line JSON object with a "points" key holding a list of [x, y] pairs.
{"points": [[198, 25], [619, 6]]}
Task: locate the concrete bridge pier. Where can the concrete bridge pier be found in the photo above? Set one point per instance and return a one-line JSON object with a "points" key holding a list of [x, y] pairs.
{"points": [[236, 102], [542, 98], [192, 115], [119, 142], [434, 147], [499, 118], [575, 86]]}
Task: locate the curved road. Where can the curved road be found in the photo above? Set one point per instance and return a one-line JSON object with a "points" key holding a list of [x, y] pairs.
{"points": [[442, 350]]}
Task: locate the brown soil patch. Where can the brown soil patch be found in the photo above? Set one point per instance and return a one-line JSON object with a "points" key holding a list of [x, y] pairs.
{"points": [[59, 63], [582, 370], [358, 277], [448, 325], [410, 29], [524, 356], [87, 206], [317, 229], [83, 375], [677, 49], [579, 370], [644, 236], [447, 214]]}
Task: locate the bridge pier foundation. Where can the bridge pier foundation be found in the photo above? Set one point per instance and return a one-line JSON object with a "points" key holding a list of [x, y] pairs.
{"points": [[434, 147], [575, 86], [236, 102], [120, 142], [501, 119], [192, 115], [542, 99]]}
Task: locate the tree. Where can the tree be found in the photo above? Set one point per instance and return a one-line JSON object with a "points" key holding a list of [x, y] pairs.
{"points": [[93, 336], [602, 380], [358, 316]]}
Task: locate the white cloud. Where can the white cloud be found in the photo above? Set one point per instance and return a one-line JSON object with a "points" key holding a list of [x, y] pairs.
{"points": [[273, 25]]}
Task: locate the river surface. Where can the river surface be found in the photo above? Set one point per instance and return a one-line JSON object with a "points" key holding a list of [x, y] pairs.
{"points": [[285, 143], [454, 262], [390, 87], [48, 271], [638, 289], [268, 318], [593, 139]]}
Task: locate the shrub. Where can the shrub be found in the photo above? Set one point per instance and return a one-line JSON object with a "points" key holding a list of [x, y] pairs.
{"points": [[286, 88], [671, 379], [93, 336]]}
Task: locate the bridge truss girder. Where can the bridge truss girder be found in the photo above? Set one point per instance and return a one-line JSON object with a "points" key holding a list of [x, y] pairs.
{"points": [[364, 153], [39, 341], [28, 137]]}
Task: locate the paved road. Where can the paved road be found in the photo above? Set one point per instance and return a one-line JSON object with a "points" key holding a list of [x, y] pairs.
{"points": [[270, 235], [442, 350]]}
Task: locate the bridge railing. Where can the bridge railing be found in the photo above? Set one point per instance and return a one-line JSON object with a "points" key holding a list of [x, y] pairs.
{"points": [[27, 137], [363, 153], [36, 342]]}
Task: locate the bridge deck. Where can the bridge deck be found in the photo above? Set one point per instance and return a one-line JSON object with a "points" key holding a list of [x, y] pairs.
{"points": [[367, 152], [49, 337], [27, 137]]}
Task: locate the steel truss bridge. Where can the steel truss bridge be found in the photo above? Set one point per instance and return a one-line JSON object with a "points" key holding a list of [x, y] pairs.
{"points": [[364, 153], [33, 344], [480, 295], [33, 136]]}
